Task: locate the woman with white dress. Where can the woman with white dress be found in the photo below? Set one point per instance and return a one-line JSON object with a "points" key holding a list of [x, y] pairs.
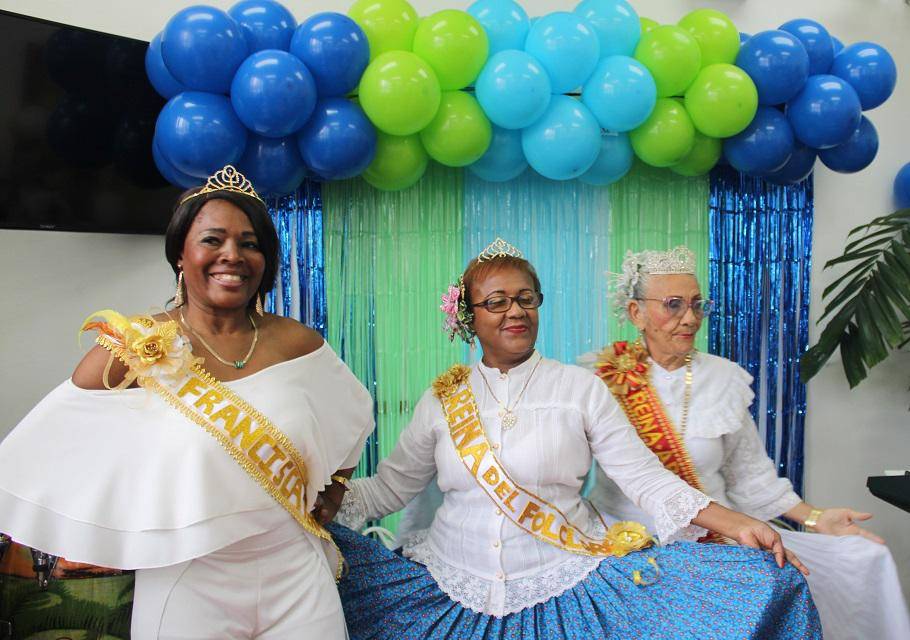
{"points": [[513, 552], [702, 401]]}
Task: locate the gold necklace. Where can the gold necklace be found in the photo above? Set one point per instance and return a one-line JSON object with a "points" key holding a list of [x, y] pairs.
{"points": [[687, 396], [237, 364], [506, 414]]}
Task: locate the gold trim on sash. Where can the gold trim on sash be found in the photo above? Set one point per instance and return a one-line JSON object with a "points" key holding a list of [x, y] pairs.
{"points": [[250, 438], [530, 512], [625, 369]]}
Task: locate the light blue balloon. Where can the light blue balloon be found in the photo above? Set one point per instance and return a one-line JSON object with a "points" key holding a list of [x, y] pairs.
{"points": [[513, 89], [567, 47], [613, 162], [505, 22], [565, 142], [616, 24], [504, 159], [621, 93]]}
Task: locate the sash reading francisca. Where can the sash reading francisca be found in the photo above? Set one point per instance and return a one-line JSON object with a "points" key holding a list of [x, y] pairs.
{"points": [[531, 513], [160, 359], [625, 370]]}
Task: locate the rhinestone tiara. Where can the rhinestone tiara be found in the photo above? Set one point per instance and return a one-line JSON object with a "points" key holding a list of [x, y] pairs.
{"points": [[226, 179], [499, 248]]}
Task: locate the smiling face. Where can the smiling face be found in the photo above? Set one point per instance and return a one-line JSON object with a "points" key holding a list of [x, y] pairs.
{"points": [[667, 335], [221, 260], [509, 337]]}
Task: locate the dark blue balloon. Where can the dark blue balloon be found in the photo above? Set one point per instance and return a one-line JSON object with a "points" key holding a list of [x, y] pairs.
{"points": [[778, 64], [837, 44], [504, 158], [902, 187], [764, 146], [171, 173], [273, 93], [869, 69], [200, 133], [339, 141], [202, 47], [273, 165], [334, 49], [266, 24], [165, 84], [743, 37], [798, 167], [817, 41], [825, 113], [856, 153]]}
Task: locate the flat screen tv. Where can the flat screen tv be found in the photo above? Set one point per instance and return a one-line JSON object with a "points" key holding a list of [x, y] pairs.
{"points": [[77, 115]]}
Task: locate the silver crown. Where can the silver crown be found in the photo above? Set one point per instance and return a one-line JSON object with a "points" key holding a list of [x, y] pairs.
{"points": [[499, 248], [677, 260]]}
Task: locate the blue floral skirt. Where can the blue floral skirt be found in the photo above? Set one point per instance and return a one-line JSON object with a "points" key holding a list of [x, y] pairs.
{"points": [[704, 591]]}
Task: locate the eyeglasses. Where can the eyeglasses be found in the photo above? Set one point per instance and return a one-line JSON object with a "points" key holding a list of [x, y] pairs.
{"points": [[501, 304], [676, 306]]}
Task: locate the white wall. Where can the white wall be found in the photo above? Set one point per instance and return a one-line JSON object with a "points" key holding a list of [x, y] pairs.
{"points": [[50, 279]]}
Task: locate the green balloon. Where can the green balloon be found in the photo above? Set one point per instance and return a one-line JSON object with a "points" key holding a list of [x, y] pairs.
{"points": [[400, 161], [717, 36], [672, 56], [701, 159], [460, 133], [399, 93], [666, 137], [388, 24], [455, 45], [647, 24], [722, 100]]}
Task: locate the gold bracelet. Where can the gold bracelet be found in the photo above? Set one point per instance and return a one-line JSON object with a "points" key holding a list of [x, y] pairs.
{"points": [[812, 520], [344, 482]]}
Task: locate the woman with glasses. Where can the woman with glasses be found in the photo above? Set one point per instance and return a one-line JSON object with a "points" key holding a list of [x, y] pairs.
{"points": [[514, 552], [692, 410]]}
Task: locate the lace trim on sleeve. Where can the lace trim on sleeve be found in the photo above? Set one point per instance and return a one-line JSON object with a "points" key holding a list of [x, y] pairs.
{"points": [[673, 521], [353, 512]]}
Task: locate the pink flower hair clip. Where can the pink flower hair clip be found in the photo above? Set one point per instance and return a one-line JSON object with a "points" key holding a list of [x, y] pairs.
{"points": [[458, 319]]}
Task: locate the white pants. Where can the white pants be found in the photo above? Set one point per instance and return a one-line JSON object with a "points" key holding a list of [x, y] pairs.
{"points": [[273, 586]]}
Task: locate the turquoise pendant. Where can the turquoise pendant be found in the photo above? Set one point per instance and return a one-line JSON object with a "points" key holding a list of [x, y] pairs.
{"points": [[239, 364]]}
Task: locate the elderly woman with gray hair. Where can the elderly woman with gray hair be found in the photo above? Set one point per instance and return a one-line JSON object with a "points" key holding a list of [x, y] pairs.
{"points": [[692, 410]]}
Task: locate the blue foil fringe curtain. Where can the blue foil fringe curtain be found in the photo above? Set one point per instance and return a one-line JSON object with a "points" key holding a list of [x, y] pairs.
{"points": [[760, 262], [300, 287]]}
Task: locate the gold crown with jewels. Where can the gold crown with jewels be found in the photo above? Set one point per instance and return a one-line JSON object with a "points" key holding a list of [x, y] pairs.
{"points": [[499, 248], [226, 179]]}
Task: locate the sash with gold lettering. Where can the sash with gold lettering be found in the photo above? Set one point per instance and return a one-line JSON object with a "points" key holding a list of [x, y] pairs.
{"points": [[530, 512], [160, 359], [625, 370]]}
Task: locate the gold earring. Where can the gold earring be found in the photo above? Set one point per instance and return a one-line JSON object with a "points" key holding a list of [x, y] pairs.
{"points": [[178, 297], [259, 308]]}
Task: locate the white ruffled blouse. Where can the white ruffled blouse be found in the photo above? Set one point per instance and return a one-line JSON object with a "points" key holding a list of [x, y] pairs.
{"points": [[721, 438], [474, 552]]}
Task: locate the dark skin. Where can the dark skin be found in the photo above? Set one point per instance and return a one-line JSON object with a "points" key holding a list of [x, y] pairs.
{"points": [[222, 267]]}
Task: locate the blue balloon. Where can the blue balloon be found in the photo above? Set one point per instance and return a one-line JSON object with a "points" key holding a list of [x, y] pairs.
{"points": [[505, 22], [621, 93], [869, 69], [825, 113], [273, 93], [743, 37], [838, 45], [273, 165], [266, 24], [171, 173], [565, 142], [203, 47], [164, 83], [335, 50], [613, 162], [567, 47], [200, 133], [616, 24], [816, 40], [778, 64], [513, 89], [856, 153], [798, 167], [339, 141], [902, 187], [764, 146], [504, 158]]}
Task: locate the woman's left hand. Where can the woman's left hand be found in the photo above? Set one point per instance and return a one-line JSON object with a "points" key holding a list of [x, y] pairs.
{"points": [[841, 521]]}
